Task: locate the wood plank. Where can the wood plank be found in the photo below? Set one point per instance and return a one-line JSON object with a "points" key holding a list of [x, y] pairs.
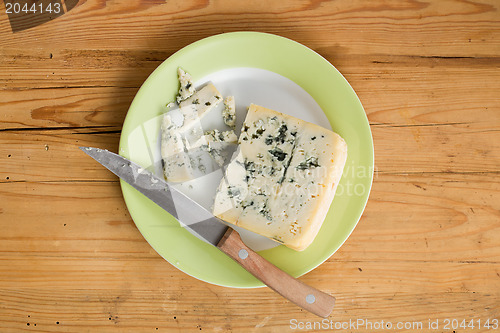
{"points": [[153, 273], [172, 310], [54, 155], [464, 148], [429, 217], [418, 217], [425, 91], [105, 107], [447, 28], [128, 69], [49, 155], [147, 310], [42, 69]]}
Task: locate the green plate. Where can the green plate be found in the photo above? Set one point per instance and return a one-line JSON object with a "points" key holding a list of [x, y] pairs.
{"points": [[318, 78]]}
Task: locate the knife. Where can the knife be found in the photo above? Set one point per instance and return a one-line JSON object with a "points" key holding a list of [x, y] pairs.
{"points": [[214, 231]]}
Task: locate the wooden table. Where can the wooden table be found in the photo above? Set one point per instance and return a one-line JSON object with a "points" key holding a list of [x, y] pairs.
{"points": [[426, 250]]}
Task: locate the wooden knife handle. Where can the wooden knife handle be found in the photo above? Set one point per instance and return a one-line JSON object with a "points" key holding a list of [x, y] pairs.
{"points": [[306, 297]]}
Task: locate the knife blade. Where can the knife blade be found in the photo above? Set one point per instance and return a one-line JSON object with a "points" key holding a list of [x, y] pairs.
{"points": [[213, 230], [181, 207]]}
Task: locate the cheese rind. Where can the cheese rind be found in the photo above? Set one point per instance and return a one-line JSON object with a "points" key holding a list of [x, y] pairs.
{"points": [[283, 178]]}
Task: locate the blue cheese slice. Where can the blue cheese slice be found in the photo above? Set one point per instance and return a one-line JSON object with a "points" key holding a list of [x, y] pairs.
{"points": [[283, 178], [182, 157], [205, 99]]}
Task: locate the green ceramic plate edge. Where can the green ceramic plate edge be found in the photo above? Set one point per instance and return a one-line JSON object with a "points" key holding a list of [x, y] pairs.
{"points": [[330, 90]]}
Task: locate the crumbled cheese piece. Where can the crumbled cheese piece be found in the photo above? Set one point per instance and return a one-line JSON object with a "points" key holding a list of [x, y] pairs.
{"points": [[225, 136], [218, 144], [186, 88], [229, 112]]}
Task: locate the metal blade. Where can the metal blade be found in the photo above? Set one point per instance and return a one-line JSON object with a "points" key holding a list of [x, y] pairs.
{"points": [[188, 212]]}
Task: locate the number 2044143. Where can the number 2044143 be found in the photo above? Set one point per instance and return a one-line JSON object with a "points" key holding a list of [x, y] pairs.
{"points": [[454, 324], [40, 8]]}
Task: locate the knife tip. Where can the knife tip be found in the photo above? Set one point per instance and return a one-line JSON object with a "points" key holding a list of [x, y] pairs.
{"points": [[90, 150], [93, 152]]}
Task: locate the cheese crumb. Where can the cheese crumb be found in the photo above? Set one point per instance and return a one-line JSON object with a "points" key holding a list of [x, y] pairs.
{"points": [[229, 112], [186, 88]]}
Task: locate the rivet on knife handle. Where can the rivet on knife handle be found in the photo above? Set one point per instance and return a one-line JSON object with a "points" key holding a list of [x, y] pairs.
{"points": [[305, 296]]}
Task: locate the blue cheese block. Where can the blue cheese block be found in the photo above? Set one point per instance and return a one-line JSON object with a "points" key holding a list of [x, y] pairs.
{"points": [[283, 178]]}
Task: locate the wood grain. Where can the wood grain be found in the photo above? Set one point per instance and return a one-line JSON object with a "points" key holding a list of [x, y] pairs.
{"points": [[426, 248]]}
